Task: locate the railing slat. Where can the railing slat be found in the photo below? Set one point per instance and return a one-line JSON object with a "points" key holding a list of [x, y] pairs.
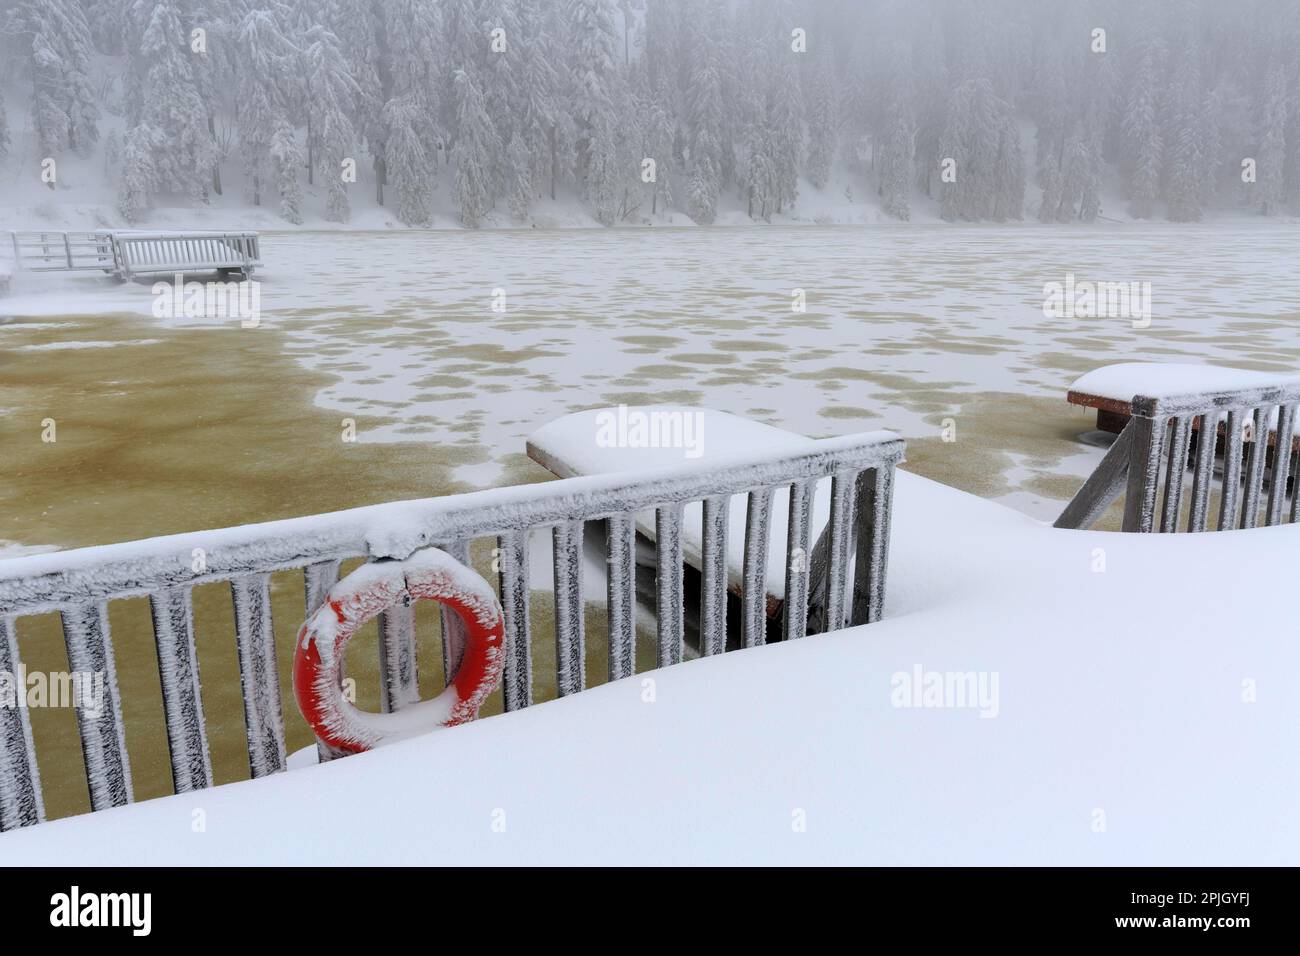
{"points": [[754, 574], [1255, 468], [620, 541], [178, 672], [798, 560], [1144, 473], [875, 494], [453, 628], [21, 802], [837, 561], [1203, 477], [318, 578], [517, 683], [1295, 490], [1231, 471], [570, 628], [713, 579], [1175, 473], [398, 675], [258, 673], [103, 739], [669, 603], [1281, 463]]}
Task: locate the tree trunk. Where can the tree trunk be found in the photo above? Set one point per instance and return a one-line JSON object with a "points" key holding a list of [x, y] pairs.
{"points": [[310, 157], [379, 181], [216, 168], [553, 162]]}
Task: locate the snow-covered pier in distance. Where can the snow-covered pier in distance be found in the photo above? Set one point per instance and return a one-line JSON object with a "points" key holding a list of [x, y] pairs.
{"points": [[128, 253]]}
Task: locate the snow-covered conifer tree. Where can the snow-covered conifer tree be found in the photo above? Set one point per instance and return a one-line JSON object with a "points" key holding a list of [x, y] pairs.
{"points": [[4, 129], [169, 105], [821, 126], [408, 165], [599, 97], [704, 122], [894, 158], [58, 44], [472, 156], [286, 160], [1272, 141], [138, 177], [1140, 127], [331, 95]]}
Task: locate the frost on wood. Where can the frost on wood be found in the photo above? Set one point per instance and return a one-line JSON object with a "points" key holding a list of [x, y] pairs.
{"points": [[80, 582], [259, 675], [178, 670], [21, 803], [103, 738]]}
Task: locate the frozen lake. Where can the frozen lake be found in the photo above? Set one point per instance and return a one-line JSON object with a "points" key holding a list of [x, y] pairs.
{"points": [[466, 341], [176, 425]]}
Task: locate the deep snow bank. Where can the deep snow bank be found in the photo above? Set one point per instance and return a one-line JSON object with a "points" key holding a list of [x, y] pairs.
{"points": [[1124, 732]]}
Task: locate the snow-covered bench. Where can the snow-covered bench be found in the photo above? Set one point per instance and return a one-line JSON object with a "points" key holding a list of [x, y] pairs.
{"points": [[1110, 389], [573, 446], [1171, 411]]}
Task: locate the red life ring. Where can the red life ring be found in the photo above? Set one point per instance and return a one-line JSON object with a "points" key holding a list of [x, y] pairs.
{"points": [[370, 589]]}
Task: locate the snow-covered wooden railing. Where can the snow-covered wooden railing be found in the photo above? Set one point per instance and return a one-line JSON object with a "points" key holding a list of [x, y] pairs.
{"points": [[62, 251], [1164, 432], [79, 584], [126, 254], [171, 252]]}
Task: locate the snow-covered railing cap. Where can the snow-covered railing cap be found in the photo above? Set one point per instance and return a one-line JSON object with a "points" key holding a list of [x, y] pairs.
{"points": [[851, 555], [1252, 428], [1154, 406]]}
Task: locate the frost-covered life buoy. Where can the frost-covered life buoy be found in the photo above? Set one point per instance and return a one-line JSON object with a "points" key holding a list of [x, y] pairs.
{"points": [[367, 591]]}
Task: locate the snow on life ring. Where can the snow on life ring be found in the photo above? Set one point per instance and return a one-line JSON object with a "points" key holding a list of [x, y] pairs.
{"points": [[370, 589]]}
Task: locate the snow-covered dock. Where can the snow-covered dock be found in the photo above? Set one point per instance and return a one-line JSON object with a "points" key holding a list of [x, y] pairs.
{"points": [[1110, 388], [1120, 727], [127, 253], [1184, 415]]}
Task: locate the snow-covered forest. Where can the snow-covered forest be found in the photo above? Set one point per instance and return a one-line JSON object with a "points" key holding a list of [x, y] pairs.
{"points": [[1057, 110]]}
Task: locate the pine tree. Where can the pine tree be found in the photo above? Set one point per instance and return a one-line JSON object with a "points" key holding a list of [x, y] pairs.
{"points": [[170, 107], [5, 142], [409, 166], [331, 96], [57, 37], [661, 131], [1143, 145], [599, 96], [821, 128], [286, 160], [1272, 142], [894, 161], [268, 87], [537, 104], [138, 176], [476, 145], [704, 122], [785, 127]]}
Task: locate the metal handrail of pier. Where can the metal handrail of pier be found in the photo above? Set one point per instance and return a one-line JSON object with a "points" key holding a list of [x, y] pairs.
{"points": [[81, 584], [127, 253]]}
